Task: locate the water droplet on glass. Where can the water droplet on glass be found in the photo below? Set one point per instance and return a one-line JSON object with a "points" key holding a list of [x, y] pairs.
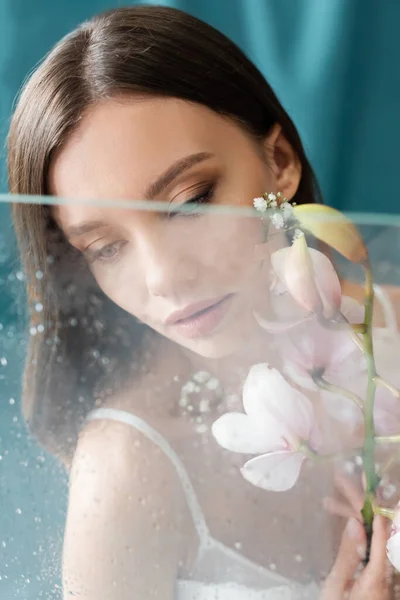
{"points": [[201, 376], [349, 467], [12, 401], [388, 491], [3, 361], [272, 567], [238, 545], [204, 406], [40, 328], [189, 387], [298, 558], [20, 276], [32, 331], [212, 384], [39, 307], [39, 274], [18, 511], [201, 429]]}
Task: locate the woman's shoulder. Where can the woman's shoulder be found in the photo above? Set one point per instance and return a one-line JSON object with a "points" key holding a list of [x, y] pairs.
{"points": [[126, 507]]}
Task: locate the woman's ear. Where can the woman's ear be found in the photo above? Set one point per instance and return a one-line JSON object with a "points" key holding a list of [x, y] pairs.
{"points": [[283, 161]]}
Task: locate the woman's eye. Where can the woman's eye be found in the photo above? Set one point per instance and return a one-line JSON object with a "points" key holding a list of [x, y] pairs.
{"points": [[191, 206], [106, 253]]}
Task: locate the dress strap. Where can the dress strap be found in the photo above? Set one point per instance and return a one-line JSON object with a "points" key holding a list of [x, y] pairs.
{"points": [[388, 309], [128, 418]]}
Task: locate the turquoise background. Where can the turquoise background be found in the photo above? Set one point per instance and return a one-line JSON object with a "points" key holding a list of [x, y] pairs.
{"points": [[333, 63], [335, 66]]}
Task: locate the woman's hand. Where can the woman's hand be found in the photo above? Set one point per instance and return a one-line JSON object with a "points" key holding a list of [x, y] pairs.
{"points": [[348, 579]]}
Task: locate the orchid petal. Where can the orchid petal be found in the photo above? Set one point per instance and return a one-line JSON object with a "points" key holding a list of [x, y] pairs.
{"points": [[299, 376], [238, 433], [294, 267], [269, 397], [309, 276], [327, 282], [277, 471], [393, 550]]}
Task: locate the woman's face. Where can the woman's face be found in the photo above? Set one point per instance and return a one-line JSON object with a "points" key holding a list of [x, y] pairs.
{"points": [[193, 278]]}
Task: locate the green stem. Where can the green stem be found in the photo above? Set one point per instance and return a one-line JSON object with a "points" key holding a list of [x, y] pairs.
{"points": [[371, 479], [335, 389]]}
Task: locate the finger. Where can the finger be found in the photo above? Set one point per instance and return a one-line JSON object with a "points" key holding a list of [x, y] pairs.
{"points": [[378, 566], [350, 491], [350, 554], [339, 508]]}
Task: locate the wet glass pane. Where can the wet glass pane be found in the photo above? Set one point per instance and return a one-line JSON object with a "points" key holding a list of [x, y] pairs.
{"points": [[198, 375]]}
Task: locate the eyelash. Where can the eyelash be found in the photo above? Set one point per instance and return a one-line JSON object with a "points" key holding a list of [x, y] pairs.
{"points": [[204, 198]]}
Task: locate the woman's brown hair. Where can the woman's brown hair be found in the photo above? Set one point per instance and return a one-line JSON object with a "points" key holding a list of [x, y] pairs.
{"points": [[142, 49]]}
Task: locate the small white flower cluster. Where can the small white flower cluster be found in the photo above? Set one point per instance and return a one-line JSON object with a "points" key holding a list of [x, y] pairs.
{"points": [[278, 203], [281, 209]]}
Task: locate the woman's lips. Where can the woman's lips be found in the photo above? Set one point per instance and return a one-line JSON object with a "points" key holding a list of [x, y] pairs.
{"points": [[203, 320]]}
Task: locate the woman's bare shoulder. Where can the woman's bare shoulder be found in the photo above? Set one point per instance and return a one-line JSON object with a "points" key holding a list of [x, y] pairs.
{"points": [[127, 514]]}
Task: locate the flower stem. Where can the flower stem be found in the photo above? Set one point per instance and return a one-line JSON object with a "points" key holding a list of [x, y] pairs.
{"points": [[335, 389], [371, 479]]}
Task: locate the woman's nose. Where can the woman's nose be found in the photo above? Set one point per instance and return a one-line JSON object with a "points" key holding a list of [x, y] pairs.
{"points": [[170, 270]]}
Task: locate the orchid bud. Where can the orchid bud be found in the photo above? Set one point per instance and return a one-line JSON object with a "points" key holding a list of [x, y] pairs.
{"points": [[309, 277]]}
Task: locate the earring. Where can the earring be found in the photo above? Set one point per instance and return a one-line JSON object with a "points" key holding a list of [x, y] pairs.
{"points": [[278, 206]]}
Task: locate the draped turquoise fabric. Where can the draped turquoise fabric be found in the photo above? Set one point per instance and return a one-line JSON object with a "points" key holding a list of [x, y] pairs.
{"points": [[334, 64]]}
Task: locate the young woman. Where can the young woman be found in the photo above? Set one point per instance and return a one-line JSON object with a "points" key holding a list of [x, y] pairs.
{"points": [[149, 103]]}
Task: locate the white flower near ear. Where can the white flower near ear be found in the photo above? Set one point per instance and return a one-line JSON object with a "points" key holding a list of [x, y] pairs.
{"points": [[393, 543], [277, 425]]}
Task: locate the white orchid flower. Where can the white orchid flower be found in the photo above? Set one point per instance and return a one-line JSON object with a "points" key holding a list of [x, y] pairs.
{"points": [[277, 425]]}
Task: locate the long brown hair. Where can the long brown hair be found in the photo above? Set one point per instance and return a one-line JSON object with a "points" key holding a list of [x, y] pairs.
{"points": [[143, 49]]}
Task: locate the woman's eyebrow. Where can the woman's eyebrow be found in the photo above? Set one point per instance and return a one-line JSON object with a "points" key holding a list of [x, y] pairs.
{"points": [[176, 169], [155, 188], [84, 227]]}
